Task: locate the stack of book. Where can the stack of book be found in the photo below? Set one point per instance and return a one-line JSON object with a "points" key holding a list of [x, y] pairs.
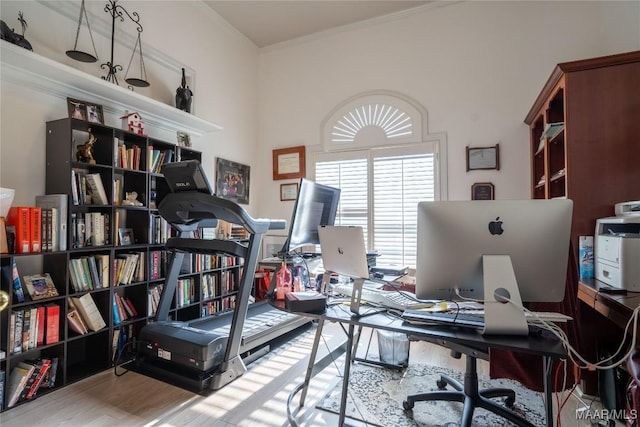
{"points": [[27, 377]]}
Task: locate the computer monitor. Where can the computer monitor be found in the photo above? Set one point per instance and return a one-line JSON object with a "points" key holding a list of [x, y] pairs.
{"points": [[475, 249], [316, 205]]}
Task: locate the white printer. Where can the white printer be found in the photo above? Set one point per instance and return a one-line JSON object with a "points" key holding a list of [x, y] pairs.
{"points": [[617, 248]]}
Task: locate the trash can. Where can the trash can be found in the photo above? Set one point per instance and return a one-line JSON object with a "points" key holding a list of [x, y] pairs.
{"points": [[393, 347]]}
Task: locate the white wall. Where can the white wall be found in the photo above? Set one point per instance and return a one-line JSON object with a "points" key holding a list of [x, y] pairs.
{"points": [[477, 68], [186, 32]]}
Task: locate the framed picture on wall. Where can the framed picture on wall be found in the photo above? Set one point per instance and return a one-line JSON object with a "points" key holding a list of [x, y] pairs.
{"points": [[483, 158], [289, 163], [483, 191], [288, 191], [232, 181]]}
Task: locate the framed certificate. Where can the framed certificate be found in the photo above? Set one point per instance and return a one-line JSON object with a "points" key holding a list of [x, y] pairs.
{"points": [[289, 163], [483, 158], [288, 191]]}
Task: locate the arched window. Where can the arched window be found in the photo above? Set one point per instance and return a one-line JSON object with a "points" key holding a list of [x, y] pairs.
{"points": [[377, 150]]}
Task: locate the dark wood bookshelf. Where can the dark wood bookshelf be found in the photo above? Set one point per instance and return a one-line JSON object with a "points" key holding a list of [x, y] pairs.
{"points": [[592, 161], [80, 356]]}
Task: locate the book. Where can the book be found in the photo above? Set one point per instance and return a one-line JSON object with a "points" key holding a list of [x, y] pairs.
{"points": [[40, 286], [42, 368], [40, 321], [98, 194], [26, 328], [49, 380], [86, 306], [31, 380], [52, 326], [33, 329], [75, 322], [45, 227], [18, 217], [102, 261], [58, 204], [35, 229], [10, 275], [17, 331], [17, 381]]}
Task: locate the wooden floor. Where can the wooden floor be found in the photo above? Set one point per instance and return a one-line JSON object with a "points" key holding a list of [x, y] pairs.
{"points": [[258, 398]]}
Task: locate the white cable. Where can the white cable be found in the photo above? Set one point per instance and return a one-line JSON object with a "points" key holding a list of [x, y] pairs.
{"points": [[603, 364]]}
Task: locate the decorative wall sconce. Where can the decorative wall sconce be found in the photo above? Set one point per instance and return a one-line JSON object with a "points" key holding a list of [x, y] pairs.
{"points": [[117, 12]]}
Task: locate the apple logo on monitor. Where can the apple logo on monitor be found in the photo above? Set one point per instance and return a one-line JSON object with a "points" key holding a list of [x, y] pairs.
{"points": [[495, 227], [340, 251]]}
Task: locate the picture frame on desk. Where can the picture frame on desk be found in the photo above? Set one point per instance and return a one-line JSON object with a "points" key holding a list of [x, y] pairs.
{"points": [[125, 236]]}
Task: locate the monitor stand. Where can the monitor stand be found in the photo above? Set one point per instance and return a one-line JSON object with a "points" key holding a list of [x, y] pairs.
{"points": [[500, 316]]}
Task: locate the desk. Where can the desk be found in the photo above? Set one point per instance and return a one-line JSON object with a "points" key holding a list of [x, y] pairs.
{"points": [[462, 340], [616, 307]]}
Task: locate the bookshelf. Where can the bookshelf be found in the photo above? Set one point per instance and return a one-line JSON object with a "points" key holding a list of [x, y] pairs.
{"points": [[583, 143], [118, 245]]}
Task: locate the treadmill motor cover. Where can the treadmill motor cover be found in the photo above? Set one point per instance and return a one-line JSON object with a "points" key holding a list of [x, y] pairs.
{"points": [[186, 346]]}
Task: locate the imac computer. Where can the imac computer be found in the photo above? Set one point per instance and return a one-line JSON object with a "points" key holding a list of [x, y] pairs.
{"points": [[315, 205], [493, 251]]}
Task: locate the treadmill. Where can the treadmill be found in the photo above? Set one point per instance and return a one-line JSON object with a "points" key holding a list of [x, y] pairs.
{"points": [[206, 353]]}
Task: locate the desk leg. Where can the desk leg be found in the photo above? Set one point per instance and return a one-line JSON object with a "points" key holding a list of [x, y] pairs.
{"points": [[312, 361], [345, 376], [548, 396]]}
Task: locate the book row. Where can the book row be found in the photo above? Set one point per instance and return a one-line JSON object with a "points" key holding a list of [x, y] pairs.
{"points": [[83, 315], [123, 309], [26, 378], [90, 229], [212, 307], [87, 188], [34, 327]]}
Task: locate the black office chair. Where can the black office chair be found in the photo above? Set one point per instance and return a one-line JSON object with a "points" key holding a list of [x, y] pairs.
{"points": [[470, 395]]}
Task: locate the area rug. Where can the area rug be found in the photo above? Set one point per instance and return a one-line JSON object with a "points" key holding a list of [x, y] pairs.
{"points": [[376, 395]]}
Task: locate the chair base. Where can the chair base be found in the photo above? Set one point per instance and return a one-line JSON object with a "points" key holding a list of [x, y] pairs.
{"points": [[471, 397]]}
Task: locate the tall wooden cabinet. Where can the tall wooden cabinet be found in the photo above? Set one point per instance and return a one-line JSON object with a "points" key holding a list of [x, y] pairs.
{"points": [[585, 146], [585, 137]]}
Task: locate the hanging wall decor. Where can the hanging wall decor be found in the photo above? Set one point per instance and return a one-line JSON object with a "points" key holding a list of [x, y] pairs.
{"points": [[232, 181]]}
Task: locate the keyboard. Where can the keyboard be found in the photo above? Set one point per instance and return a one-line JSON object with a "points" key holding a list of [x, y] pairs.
{"points": [[398, 300], [475, 318], [445, 317]]}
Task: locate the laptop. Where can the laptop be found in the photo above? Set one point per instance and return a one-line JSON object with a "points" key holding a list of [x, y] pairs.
{"points": [[344, 252]]}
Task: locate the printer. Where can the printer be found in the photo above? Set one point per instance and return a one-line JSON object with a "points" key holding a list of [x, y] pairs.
{"points": [[617, 248]]}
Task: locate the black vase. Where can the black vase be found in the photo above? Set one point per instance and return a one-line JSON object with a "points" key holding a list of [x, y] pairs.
{"points": [[183, 95]]}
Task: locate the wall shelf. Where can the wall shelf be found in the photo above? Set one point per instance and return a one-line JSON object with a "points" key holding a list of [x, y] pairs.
{"points": [[24, 67]]}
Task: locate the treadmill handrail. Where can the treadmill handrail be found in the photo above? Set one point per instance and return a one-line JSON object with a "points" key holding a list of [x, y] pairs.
{"points": [[204, 246], [194, 207]]}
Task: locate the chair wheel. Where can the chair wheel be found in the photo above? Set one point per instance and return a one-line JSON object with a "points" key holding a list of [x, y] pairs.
{"points": [[407, 405], [509, 402], [441, 384]]}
